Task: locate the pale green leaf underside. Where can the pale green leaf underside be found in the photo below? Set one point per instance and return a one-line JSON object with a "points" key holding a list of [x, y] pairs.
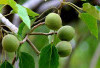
{"points": [[91, 22], [31, 13], [92, 10], [22, 12], [21, 26]]}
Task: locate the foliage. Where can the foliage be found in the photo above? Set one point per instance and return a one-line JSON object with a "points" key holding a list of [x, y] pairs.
{"points": [[49, 57], [6, 65], [32, 44]]}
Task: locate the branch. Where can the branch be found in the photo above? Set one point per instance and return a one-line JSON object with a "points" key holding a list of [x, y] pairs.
{"points": [[12, 27], [43, 33], [13, 62], [34, 48], [95, 57], [37, 22], [36, 26], [24, 40], [5, 31]]}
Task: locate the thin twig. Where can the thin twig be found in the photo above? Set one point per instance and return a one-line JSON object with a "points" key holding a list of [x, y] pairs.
{"points": [[43, 15], [7, 32], [73, 5], [36, 26], [60, 7], [24, 40], [34, 48], [37, 22], [68, 3], [7, 14], [1, 33], [39, 33], [13, 62]]}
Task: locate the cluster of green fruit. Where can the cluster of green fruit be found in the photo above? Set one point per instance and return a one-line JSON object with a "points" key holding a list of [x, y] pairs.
{"points": [[64, 33], [53, 21]]}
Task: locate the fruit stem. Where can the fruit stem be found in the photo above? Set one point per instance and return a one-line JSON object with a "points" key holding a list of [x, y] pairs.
{"points": [[60, 7], [73, 6]]}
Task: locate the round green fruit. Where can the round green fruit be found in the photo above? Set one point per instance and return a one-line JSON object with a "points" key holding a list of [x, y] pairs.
{"points": [[53, 21], [66, 33], [64, 48], [10, 43]]}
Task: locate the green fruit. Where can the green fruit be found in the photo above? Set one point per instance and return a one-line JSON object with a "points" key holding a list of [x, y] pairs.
{"points": [[66, 33], [53, 21], [10, 43], [64, 48]]}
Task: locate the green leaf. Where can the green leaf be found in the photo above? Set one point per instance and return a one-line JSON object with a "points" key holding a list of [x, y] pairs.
{"points": [[54, 58], [13, 4], [25, 28], [21, 1], [21, 26], [91, 22], [25, 31], [1, 8], [22, 12], [26, 61], [6, 64], [49, 57], [92, 10], [45, 57], [3, 1], [31, 13]]}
